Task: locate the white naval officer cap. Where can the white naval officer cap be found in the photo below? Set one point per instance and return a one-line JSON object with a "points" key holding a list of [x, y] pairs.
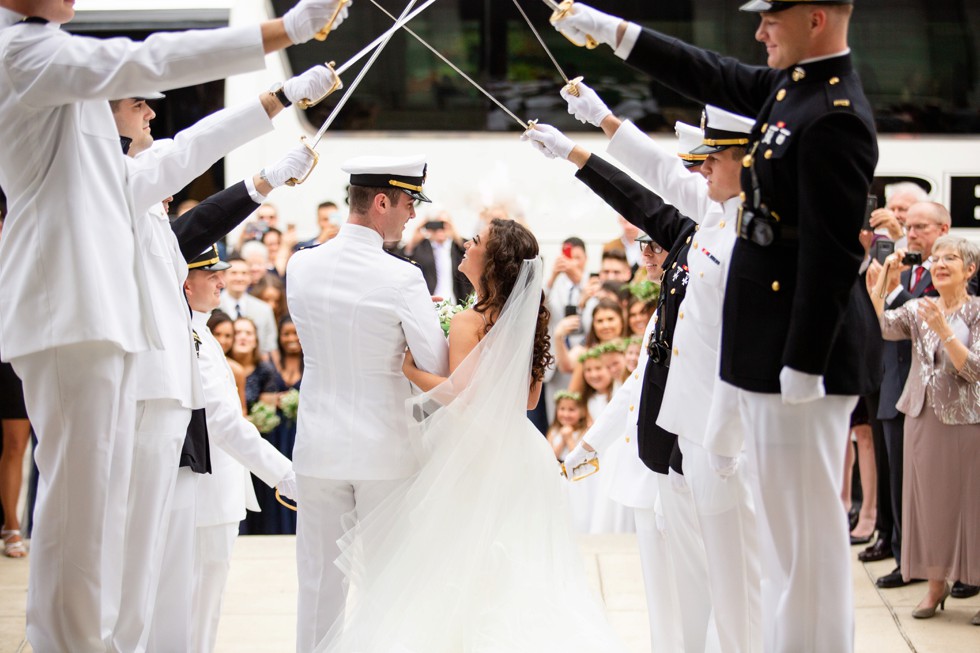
{"points": [[773, 6], [406, 173], [689, 137], [722, 129]]}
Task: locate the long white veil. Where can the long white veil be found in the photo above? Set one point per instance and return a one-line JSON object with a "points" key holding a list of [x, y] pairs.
{"points": [[475, 552]]}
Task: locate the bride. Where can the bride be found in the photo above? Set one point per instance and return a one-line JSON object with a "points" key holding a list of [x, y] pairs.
{"points": [[475, 554]]}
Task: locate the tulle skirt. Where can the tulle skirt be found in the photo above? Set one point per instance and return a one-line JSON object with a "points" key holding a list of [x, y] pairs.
{"points": [[475, 554]]}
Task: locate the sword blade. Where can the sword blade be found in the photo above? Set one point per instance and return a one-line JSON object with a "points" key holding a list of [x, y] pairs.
{"points": [[551, 3], [383, 37], [541, 41], [399, 22], [501, 105]]}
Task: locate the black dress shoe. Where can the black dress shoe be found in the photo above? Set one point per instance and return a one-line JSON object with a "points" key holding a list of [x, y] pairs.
{"points": [[894, 579], [880, 550], [964, 591], [862, 540]]}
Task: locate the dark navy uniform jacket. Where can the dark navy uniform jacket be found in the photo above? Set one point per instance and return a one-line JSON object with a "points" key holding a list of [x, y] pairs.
{"points": [[813, 148], [672, 231]]}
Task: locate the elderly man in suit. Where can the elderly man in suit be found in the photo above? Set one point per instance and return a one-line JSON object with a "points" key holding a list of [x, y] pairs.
{"points": [[924, 222], [356, 308], [71, 322]]}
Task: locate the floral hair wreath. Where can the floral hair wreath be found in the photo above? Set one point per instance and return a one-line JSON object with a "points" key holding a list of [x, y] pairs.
{"points": [[595, 352], [566, 394]]}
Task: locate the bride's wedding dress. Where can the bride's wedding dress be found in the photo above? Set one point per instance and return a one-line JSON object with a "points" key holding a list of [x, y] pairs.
{"points": [[475, 553]]}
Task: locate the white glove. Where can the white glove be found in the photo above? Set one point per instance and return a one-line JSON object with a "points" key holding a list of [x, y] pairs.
{"points": [[308, 17], [311, 85], [583, 20], [552, 143], [297, 162], [587, 107], [287, 486], [799, 387], [723, 465], [576, 458]]}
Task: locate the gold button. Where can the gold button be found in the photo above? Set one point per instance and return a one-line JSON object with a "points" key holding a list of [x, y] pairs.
{"points": [[775, 286], [632, 408], [680, 316], [676, 352], [627, 439], [701, 274], [697, 227], [694, 244], [768, 154], [636, 376], [746, 163], [673, 290], [741, 196], [780, 95], [765, 126], [721, 225], [688, 239], [834, 81]]}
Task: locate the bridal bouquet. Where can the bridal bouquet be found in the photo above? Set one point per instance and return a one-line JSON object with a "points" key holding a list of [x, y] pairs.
{"points": [[289, 404], [446, 309], [264, 417]]}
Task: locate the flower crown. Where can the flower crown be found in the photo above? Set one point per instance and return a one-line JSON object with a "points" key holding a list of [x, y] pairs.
{"points": [[566, 394], [645, 291], [595, 352]]}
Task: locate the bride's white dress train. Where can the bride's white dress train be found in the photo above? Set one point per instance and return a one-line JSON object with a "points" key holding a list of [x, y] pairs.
{"points": [[474, 554]]}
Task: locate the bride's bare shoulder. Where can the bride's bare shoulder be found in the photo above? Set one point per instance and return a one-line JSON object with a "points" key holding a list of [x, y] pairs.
{"points": [[468, 321]]}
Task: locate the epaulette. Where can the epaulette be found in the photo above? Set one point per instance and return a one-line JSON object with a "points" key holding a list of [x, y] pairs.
{"points": [[403, 258], [306, 247]]}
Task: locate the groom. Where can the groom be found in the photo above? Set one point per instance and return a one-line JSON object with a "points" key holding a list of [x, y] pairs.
{"points": [[356, 307]]}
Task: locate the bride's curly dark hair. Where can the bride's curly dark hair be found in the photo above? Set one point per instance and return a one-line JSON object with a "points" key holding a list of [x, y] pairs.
{"points": [[508, 246]]}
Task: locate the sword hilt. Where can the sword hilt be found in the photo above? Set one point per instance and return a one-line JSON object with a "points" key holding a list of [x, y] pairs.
{"points": [[283, 502], [293, 181], [572, 86], [306, 103], [322, 34], [563, 10]]}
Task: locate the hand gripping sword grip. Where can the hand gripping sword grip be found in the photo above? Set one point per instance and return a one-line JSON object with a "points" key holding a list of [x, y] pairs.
{"points": [[293, 181], [561, 12], [322, 34], [306, 103]]}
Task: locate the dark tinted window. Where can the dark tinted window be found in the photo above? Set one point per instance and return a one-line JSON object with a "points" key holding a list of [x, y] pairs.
{"points": [[918, 59]]}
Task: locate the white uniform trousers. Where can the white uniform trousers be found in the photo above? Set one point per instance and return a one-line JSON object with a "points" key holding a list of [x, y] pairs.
{"points": [[81, 399], [212, 560], [687, 557], [323, 505], [798, 452], [170, 628], [726, 515], [660, 584], [161, 426]]}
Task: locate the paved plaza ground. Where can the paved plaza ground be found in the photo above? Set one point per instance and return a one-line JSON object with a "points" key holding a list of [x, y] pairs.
{"points": [[260, 606]]}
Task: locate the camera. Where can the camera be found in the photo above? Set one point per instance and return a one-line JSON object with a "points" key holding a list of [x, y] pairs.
{"points": [[432, 225], [912, 258], [757, 225]]}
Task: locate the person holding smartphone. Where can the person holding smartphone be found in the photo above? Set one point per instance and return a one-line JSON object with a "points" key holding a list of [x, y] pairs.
{"points": [[438, 250]]}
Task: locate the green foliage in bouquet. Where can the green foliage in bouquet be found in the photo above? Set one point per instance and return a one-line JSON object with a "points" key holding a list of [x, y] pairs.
{"points": [[264, 417], [289, 404]]}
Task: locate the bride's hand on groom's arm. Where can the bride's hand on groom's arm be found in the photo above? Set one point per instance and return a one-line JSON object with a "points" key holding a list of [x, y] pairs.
{"points": [[423, 380]]}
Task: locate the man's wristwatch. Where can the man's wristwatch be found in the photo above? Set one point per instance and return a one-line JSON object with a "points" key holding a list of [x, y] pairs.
{"points": [[280, 95]]}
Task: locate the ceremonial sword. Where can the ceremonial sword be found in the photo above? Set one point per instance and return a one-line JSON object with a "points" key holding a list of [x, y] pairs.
{"points": [[562, 10], [378, 44], [570, 84], [523, 124], [322, 34]]}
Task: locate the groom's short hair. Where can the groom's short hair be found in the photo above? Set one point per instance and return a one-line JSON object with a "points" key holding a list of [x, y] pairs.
{"points": [[361, 197]]}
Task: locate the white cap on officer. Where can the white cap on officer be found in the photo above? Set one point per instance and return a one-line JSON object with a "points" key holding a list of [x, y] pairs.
{"points": [[723, 129], [773, 6], [406, 173], [689, 137]]}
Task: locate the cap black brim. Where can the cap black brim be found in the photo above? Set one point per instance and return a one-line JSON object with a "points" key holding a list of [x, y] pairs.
{"points": [[708, 149], [417, 195]]}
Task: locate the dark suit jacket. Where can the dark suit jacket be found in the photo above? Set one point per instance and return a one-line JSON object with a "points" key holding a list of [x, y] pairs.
{"points": [[789, 303], [657, 447], [212, 219], [896, 356], [425, 258]]}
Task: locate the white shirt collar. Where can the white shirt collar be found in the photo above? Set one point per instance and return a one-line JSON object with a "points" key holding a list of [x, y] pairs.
{"points": [[199, 321], [827, 56]]}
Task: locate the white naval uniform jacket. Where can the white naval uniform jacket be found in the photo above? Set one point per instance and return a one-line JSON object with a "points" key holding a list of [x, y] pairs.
{"points": [[68, 266], [694, 363], [168, 166], [633, 483], [236, 445], [356, 308]]}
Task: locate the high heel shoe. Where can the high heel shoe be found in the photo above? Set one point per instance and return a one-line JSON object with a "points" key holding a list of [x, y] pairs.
{"points": [[929, 612], [976, 619]]}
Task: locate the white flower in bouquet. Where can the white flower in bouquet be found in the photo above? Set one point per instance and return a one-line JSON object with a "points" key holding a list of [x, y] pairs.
{"points": [[264, 417], [447, 309], [289, 404]]}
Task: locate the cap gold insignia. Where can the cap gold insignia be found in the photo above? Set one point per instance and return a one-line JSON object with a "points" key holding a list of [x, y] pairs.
{"points": [[842, 103], [798, 74], [780, 95], [834, 81]]}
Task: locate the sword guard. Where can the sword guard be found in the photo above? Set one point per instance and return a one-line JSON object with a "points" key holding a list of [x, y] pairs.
{"points": [[563, 10], [531, 124], [572, 86], [306, 103], [323, 33], [293, 181], [283, 502]]}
